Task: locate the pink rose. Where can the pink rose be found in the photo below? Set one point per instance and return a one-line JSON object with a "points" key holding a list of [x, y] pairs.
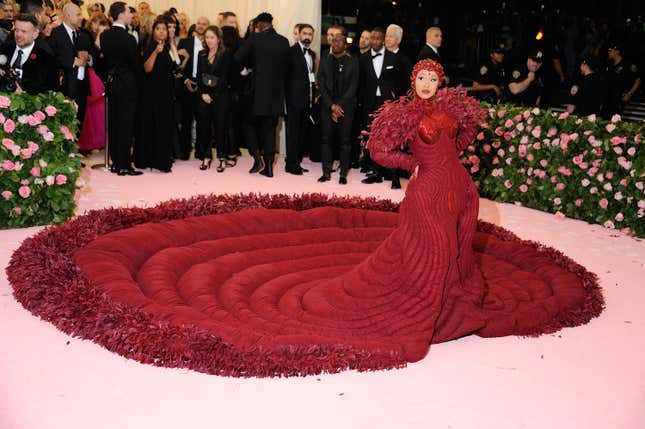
{"points": [[33, 147], [66, 133], [39, 115], [61, 179], [508, 136], [17, 210], [535, 111], [7, 195], [577, 160], [609, 174], [9, 126], [544, 163], [50, 110], [523, 188], [474, 169], [4, 102], [498, 131], [508, 123], [585, 182], [618, 150], [563, 145], [486, 148], [23, 119], [18, 166], [560, 186], [526, 114], [8, 165], [578, 202], [26, 153], [35, 171], [8, 143], [591, 118], [631, 151], [529, 181], [609, 224], [511, 149], [480, 136], [554, 179], [49, 136], [50, 180], [508, 184], [623, 182], [520, 127], [501, 152], [603, 203], [33, 121], [551, 132], [495, 161], [618, 196], [563, 115], [610, 128], [524, 140], [501, 113], [619, 217], [584, 165], [537, 146], [615, 118], [508, 161], [2, 118], [559, 215], [517, 117], [537, 131], [24, 191], [529, 157], [564, 170], [557, 201], [639, 185]]}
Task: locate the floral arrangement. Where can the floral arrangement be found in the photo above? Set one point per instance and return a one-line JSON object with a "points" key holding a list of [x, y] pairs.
{"points": [[39, 166], [584, 168]]}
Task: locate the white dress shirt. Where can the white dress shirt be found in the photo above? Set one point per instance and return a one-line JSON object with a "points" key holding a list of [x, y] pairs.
{"points": [[377, 62], [197, 47], [436, 51], [26, 51], [308, 58]]}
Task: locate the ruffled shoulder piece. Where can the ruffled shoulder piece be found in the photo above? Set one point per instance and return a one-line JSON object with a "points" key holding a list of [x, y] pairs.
{"points": [[395, 124], [465, 109]]}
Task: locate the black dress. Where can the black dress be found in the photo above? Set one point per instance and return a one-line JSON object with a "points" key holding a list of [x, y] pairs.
{"points": [[154, 149]]}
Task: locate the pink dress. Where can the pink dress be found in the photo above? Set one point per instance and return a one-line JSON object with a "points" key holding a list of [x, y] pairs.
{"points": [[93, 130]]}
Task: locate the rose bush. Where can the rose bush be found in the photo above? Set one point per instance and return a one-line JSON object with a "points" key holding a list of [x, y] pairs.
{"points": [[584, 168], [39, 164]]}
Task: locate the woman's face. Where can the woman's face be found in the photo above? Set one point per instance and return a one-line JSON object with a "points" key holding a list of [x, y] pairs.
{"points": [[183, 21], [160, 32], [211, 39], [426, 84], [172, 30]]}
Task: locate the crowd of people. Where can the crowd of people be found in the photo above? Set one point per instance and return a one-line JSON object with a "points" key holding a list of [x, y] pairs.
{"points": [[174, 89]]}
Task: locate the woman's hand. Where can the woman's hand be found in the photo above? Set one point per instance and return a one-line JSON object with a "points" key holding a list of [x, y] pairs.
{"points": [[207, 98], [184, 53], [160, 47]]}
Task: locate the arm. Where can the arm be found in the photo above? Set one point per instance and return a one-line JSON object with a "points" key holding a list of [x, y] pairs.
{"points": [[518, 87], [394, 158], [350, 95], [152, 58], [325, 96]]}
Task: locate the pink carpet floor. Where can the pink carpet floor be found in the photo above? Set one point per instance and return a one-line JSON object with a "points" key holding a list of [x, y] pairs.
{"points": [[590, 376]]}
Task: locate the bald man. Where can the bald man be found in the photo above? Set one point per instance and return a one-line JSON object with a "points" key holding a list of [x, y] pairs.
{"points": [[186, 96], [71, 46]]}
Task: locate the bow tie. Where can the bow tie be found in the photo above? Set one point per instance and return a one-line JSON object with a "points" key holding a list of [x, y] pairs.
{"points": [[378, 54], [307, 51]]}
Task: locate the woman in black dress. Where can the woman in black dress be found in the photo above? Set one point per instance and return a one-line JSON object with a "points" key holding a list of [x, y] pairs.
{"points": [[154, 150], [213, 103]]}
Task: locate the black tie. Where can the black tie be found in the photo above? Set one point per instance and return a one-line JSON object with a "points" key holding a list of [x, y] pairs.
{"points": [[75, 38], [378, 54], [17, 64]]}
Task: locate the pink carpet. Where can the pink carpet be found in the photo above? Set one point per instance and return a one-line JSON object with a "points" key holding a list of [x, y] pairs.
{"points": [[591, 376]]}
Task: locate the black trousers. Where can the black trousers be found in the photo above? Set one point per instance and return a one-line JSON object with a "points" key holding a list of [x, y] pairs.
{"points": [[122, 106], [297, 119], [213, 117], [336, 134], [187, 101], [259, 135]]}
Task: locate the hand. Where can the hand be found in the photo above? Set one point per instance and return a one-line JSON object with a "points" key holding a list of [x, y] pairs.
{"points": [[79, 62], [530, 76], [626, 97], [84, 55], [192, 86], [497, 89], [160, 47], [184, 53], [19, 89], [336, 109], [207, 98]]}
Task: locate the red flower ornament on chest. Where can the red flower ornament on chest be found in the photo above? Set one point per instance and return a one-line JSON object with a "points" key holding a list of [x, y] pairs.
{"points": [[32, 56]]}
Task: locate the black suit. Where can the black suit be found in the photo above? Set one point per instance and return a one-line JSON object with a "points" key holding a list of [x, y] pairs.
{"points": [[428, 53], [123, 64], [187, 99], [39, 72], [338, 84], [267, 54], [66, 52], [299, 97], [392, 83]]}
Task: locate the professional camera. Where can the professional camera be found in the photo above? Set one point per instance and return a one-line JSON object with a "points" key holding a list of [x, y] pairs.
{"points": [[9, 77]]}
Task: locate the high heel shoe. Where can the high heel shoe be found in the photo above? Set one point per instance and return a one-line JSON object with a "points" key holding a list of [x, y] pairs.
{"points": [[222, 165], [206, 165], [231, 161]]}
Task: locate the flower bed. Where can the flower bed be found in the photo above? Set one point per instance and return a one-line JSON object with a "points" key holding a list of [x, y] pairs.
{"points": [[583, 168], [39, 167]]}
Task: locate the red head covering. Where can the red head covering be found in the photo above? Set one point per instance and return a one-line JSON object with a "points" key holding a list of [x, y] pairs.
{"points": [[428, 65]]}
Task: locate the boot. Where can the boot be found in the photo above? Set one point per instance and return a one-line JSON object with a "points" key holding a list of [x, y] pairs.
{"points": [[268, 169], [258, 165]]}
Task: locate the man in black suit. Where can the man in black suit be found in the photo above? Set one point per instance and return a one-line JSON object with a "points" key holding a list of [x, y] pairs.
{"points": [[266, 53], [71, 47], [121, 56], [186, 94], [338, 85], [382, 77], [34, 66], [430, 50], [299, 96]]}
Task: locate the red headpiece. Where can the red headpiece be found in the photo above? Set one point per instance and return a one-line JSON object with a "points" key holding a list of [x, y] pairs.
{"points": [[428, 65]]}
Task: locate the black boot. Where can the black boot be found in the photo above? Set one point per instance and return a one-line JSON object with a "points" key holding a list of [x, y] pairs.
{"points": [[396, 182], [268, 169], [258, 165]]}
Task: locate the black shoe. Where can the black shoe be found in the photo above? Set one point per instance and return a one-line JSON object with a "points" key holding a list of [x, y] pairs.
{"points": [[231, 161], [365, 169], [267, 171], [294, 170], [222, 165], [129, 172], [396, 183], [342, 180], [304, 170], [374, 178], [113, 169], [324, 178], [206, 165]]}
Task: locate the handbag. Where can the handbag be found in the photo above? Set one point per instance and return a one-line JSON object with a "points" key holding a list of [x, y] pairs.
{"points": [[210, 80]]}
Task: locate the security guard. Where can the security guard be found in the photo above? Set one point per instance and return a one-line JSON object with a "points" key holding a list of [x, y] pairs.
{"points": [[588, 96], [525, 85], [488, 85], [623, 80]]}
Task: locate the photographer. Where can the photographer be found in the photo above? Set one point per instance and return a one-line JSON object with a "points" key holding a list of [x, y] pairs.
{"points": [[24, 65]]}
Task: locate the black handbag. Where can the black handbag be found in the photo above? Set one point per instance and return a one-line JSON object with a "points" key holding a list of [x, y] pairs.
{"points": [[210, 80]]}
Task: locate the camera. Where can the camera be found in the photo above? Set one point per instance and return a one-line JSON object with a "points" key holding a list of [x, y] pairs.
{"points": [[9, 77]]}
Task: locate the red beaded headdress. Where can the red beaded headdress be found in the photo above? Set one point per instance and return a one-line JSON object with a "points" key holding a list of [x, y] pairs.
{"points": [[428, 65]]}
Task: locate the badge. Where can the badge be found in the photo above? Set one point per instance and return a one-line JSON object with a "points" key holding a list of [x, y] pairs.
{"points": [[516, 74], [633, 68], [210, 82], [574, 89], [483, 70]]}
